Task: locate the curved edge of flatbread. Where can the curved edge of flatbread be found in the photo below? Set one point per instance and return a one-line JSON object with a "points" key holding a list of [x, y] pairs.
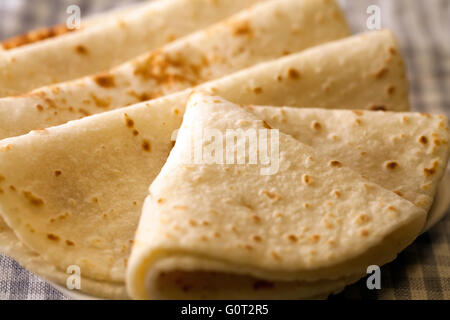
{"points": [[13, 248]]}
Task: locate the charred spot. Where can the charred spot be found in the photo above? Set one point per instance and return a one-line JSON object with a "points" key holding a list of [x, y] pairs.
{"points": [[128, 121], [314, 238], [39, 107], [266, 125], [144, 96], [35, 36], [293, 73], [33, 199], [58, 173], [335, 163], [431, 171], [275, 255], [365, 232], [80, 49], [84, 112], [316, 125], [242, 28], [378, 108], [146, 145], [392, 165], [256, 218], [101, 103], [166, 69], [52, 237], [423, 140], [70, 243], [105, 80], [257, 238], [399, 193], [381, 73], [307, 179], [257, 90]]}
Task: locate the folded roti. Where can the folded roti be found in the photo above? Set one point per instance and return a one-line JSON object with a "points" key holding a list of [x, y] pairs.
{"points": [[101, 46], [267, 31], [415, 145], [73, 193], [305, 219]]}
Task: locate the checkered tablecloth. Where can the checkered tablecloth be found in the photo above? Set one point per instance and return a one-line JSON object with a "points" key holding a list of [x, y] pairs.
{"points": [[422, 271]]}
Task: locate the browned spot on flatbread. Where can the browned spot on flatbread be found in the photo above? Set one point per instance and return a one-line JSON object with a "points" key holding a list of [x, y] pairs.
{"points": [[257, 90], [242, 28], [167, 70], [392, 165], [378, 108], [101, 102], [84, 112], [431, 171], [52, 237], [146, 145], [423, 140], [35, 36], [105, 80], [266, 125], [316, 125], [82, 50], [128, 121], [293, 73], [381, 73], [144, 96], [335, 163], [33, 199]]}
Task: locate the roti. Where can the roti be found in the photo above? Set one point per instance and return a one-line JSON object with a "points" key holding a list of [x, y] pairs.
{"points": [[297, 218], [237, 43]]}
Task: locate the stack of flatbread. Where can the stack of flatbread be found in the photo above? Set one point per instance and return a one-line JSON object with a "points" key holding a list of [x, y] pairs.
{"points": [[350, 177]]}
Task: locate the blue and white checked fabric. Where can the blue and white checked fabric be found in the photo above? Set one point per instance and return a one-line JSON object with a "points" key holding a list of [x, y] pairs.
{"points": [[422, 271]]}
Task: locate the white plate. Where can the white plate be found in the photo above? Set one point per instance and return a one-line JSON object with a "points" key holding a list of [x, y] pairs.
{"points": [[438, 210]]}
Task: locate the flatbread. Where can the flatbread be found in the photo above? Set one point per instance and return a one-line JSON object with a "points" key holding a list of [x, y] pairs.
{"points": [[415, 145], [237, 219], [104, 45], [11, 246], [267, 31], [42, 34], [73, 193]]}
